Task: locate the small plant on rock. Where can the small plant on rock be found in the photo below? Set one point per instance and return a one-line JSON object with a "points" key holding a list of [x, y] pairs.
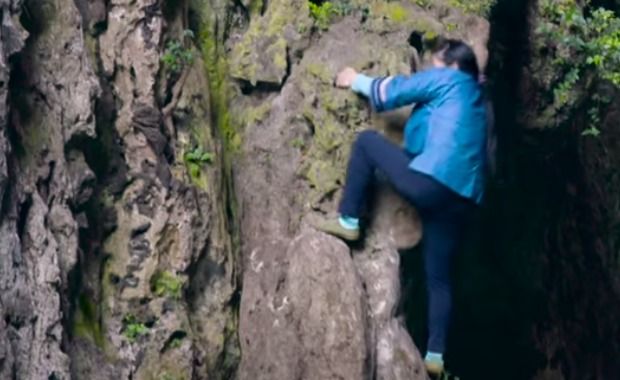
{"points": [[195, 159], [166, 284], [479, 7], [177, 56], [323, 14], [132, 329]]}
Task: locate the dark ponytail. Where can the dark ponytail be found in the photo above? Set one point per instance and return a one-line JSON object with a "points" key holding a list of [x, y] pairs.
{"points": [[455, 51]]}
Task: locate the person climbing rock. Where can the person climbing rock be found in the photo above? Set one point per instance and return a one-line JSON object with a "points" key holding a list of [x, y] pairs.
{"points": [[440, 168]]}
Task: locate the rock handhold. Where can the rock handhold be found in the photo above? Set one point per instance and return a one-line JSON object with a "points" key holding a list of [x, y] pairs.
{"points": [[262, 54]]}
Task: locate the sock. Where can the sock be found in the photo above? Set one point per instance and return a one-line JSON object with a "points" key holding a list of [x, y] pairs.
{"points": [[349, 223], [434, 357]]}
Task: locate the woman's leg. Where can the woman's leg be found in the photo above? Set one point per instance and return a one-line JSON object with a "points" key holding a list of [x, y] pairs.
{"points": [[440, 242], [443, 231], [372, 151]]}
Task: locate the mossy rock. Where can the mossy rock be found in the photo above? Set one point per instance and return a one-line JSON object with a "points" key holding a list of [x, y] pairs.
{"points": [[261, 56], [86, 321], [397, 16]]}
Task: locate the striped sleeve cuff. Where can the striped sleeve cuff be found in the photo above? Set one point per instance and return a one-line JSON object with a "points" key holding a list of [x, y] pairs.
{"points": [[378, 94]]}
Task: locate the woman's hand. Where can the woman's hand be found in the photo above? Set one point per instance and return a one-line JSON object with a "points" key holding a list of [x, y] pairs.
{"points": [[345, 78]]}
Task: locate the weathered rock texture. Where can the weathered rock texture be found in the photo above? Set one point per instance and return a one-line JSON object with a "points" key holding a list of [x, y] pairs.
{"points": [[154, 153], [294, 153], [116, 260], [120, 133]]}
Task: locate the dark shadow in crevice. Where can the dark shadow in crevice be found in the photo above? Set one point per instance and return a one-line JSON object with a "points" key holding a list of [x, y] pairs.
{"points": [[495, 304], [416, 40], [24, 210], [259, 88]]}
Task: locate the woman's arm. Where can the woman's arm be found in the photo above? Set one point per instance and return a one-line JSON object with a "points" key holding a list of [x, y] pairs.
{"points": [[358, 82], [392, 92]]}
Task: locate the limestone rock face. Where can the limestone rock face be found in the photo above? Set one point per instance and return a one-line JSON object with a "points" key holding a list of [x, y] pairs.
{"points": [[264, 52], [294, 153], [314, 326], [109, 246], [48, 92], [160, 164]]}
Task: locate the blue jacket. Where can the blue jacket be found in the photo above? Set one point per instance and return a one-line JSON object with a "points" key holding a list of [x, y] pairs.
{"points": [[447, 128]]}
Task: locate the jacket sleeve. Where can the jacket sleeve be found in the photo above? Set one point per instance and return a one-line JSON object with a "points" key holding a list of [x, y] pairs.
{"points": [[362, 84], [392, 92]]}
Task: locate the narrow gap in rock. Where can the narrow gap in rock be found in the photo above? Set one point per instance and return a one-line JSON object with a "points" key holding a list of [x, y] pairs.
{"points": [[43, 184], [491, 316], [261, 87], [30, 17], [173, 340], [415, 40], [24, 209]]}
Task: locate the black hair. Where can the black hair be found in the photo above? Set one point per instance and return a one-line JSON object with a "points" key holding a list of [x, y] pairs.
{"points": [[456, 51]]}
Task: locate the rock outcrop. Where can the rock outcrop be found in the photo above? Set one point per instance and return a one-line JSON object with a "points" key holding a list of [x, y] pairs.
{"points": [[290, 171], [116, 255]]}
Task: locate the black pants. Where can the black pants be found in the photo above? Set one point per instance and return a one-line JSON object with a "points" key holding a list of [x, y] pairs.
{"points": [[443, 212]]}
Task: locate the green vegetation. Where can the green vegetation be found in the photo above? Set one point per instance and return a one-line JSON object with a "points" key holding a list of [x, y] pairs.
{"points": [[323, 14], [298, 143], [132, 329], [582, 48], [195, 160], [177, 56], [423, 3], [397, 13], [478, 7], [253, 115], [216, 67], [166, 284], [255, 7], [175, 343], [86, 323]]}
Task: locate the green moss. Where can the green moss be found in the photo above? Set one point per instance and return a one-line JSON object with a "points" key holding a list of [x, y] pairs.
{"points": [[256, 6], [298, 143], [451, 27], [389, 16], [252, 115], [324, 178], [397, 12], [320, 72], [262, 53], [232, 353], [165, 284], [423, 3], [86, 321], [278, 51], [477, 7], [132, 328], [216, 66]]}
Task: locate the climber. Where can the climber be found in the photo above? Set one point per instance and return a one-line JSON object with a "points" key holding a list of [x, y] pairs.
{"points": [[440, 169]]}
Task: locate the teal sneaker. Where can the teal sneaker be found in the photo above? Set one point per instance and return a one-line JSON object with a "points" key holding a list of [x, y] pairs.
{"points": [[434, 364], [335, 228], [434, 368]]}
